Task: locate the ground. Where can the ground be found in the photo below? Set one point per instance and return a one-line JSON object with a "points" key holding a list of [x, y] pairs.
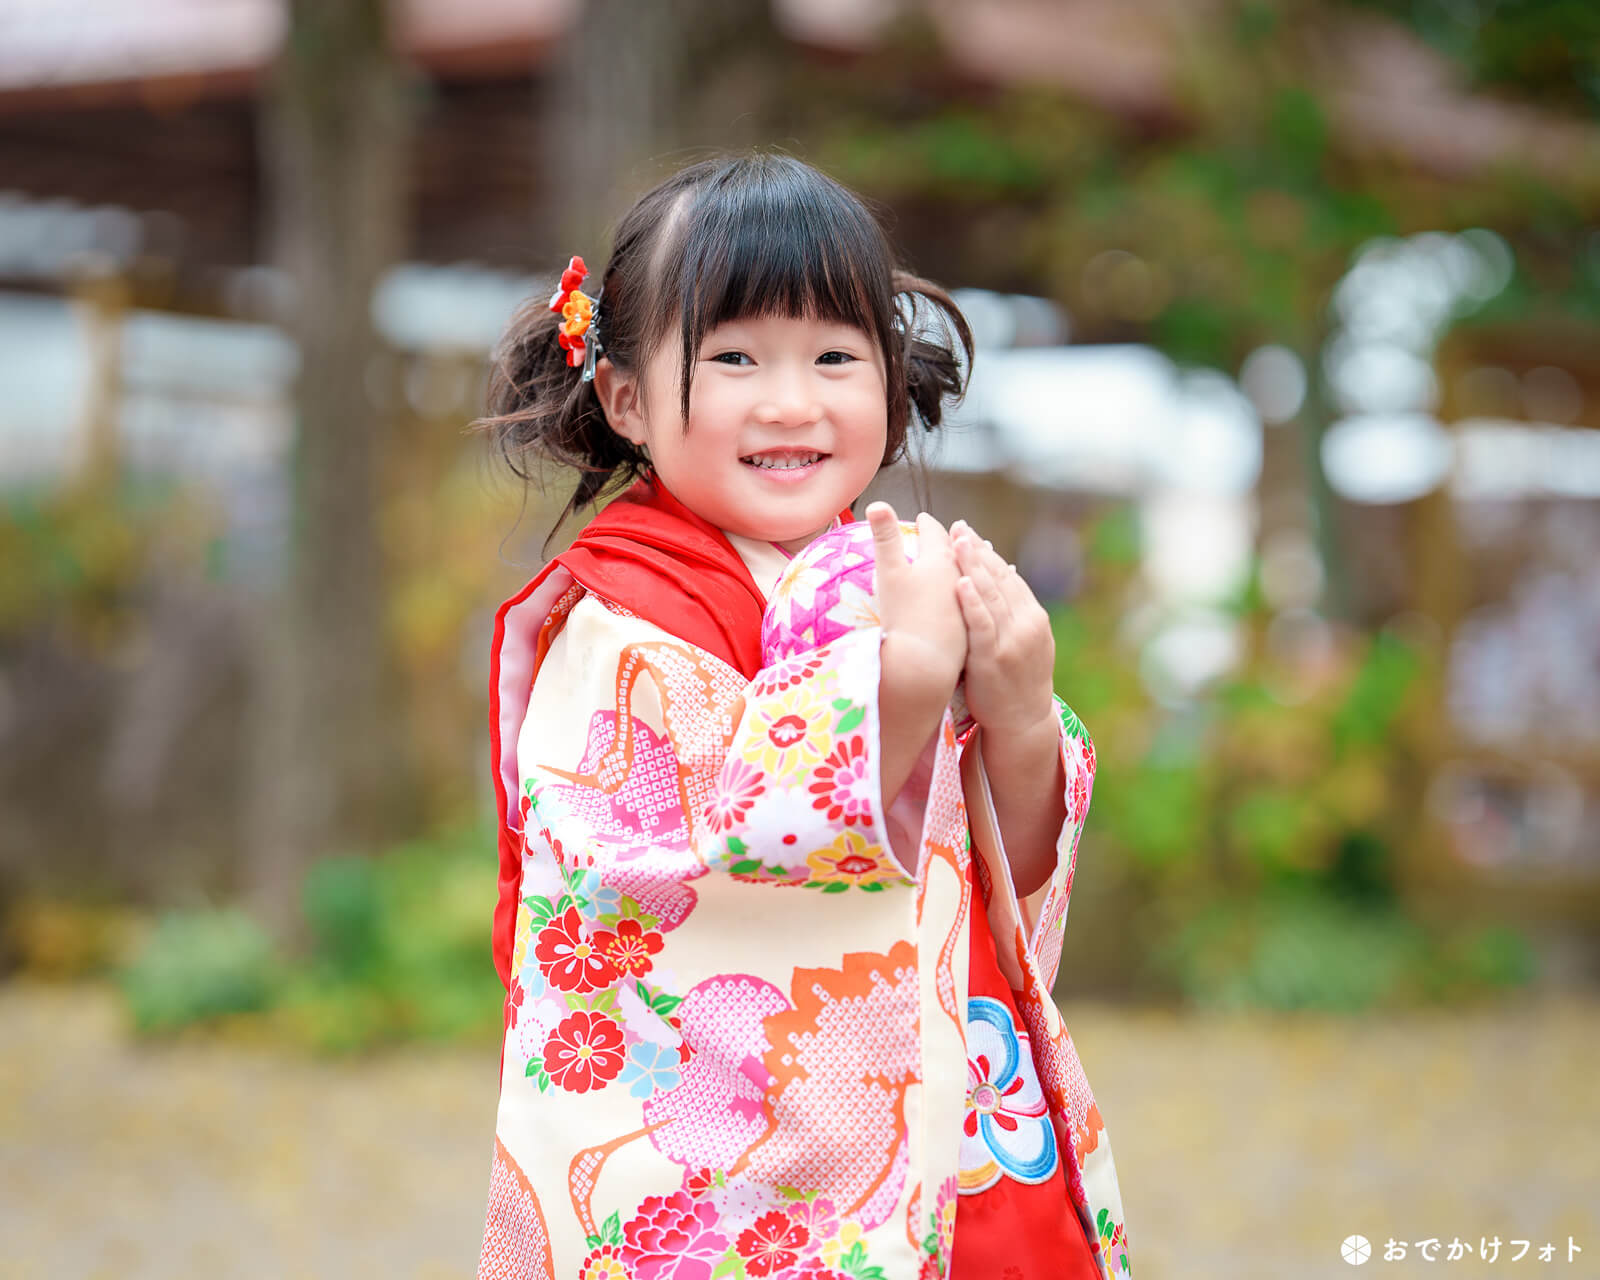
{"points": [[1248, 1146]]}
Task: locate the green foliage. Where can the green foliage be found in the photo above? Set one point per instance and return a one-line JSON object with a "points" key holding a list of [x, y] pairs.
{"points": [[199, 965], [1254, 835], [1546, 50], [399, 952], [74, 554], [1301, 950], [345, 915], [1297, 951], [401, 948]]}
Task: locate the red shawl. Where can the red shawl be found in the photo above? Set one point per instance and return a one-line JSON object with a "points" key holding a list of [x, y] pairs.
{"points": [[650, 554]]}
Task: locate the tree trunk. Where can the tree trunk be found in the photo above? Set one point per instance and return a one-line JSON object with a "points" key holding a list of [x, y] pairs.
{"points": [[334, 145], [639, 91]]}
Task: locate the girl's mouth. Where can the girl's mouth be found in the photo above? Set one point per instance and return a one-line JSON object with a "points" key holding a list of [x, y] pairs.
{"points": [[785, 464]]}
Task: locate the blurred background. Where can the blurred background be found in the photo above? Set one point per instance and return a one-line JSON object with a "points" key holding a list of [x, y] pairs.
{"points": [[1286, 401]]}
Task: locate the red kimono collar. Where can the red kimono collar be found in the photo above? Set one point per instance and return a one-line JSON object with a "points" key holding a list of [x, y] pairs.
{"points": [[659, 560]]}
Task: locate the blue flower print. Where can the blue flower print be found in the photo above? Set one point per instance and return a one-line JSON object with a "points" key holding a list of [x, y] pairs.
{"points": [[651, 1067], [592, 897], [1006, 1131]]}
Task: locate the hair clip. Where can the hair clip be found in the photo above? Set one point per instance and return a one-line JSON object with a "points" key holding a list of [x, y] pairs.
{"points": [[577, 319]]}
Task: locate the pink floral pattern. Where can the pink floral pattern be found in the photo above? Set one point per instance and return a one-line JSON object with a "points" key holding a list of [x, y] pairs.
{"points": [[842, 786], [673, 1238], [736, 791]]}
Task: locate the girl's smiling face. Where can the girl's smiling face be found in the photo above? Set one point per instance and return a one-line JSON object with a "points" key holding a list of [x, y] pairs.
{"points": [[788, 423]]}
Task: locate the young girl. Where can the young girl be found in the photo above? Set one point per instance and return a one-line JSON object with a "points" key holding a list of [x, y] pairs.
{"points": [[776, 1006]]}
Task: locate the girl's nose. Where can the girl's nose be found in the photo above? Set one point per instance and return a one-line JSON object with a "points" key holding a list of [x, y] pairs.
{"points": [[787, 396]]}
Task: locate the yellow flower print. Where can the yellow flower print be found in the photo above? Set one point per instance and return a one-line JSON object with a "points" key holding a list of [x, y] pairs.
{"points": [[789, 733], [833, 1250], [524, 936], [605, 1263], [852, 859]]}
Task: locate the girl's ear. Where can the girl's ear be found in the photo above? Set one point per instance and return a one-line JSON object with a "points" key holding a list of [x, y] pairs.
{"points": [[619, 399]]}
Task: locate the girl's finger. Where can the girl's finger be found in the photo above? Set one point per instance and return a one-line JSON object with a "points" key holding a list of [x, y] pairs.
{"points": [[981, 628], [888, 547], [1018, 595], [977, 567], [932, 536]]}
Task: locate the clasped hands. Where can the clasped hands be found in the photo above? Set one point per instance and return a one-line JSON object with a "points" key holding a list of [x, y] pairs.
{"points": [[961, 609]]}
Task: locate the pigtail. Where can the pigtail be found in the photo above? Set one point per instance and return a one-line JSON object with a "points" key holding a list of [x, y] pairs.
{"points": [[935, 371], [541, 411]]}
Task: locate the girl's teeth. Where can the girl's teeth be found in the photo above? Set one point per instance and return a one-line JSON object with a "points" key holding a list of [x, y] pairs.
{"points": [[784, 464]]}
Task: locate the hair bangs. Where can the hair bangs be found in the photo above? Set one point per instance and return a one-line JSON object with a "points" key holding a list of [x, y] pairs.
{"points": [[775, 238]]}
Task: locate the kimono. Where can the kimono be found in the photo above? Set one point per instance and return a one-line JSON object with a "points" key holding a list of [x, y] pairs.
{"points": [[739, 1036]]}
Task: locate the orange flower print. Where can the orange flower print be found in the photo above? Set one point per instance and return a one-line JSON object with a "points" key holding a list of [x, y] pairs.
{"points": [[576, 310], [852, 861], [843, 783], [628, 947], [788, 734]]}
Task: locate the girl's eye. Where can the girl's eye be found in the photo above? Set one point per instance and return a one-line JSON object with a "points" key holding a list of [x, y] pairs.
{"points": [[730, 356], [843, 356]]}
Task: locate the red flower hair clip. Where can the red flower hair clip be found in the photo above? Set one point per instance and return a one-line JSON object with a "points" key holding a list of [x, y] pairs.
{"points": [[577, 318]]}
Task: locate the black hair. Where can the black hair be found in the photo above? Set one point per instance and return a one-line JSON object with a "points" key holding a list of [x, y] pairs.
{"points": [[727, 238]]}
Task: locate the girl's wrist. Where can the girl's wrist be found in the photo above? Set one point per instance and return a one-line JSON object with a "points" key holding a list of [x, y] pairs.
{"points": [[917, 668]]}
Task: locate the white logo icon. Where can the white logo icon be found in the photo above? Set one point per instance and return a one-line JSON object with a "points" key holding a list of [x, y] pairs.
{"points": [[1356, 1250]]}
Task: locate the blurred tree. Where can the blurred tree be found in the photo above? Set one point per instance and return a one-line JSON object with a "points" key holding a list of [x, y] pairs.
{"points": [[335, 139], [633, 83]]}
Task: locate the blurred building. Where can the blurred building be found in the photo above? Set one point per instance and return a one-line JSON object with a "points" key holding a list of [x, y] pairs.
{"points": [[138, 313]]}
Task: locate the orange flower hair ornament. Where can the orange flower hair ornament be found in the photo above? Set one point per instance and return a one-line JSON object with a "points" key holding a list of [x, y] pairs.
{"points": [[577, 309]]}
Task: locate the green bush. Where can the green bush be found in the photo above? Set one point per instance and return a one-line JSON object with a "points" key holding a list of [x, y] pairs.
{"points": [[1251, 839], [198, 965], [399, 951]]}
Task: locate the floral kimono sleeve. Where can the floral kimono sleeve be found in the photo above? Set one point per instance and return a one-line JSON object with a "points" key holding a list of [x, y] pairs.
{"points": [[1040, 918], [717, 1025], [1028, 951]]}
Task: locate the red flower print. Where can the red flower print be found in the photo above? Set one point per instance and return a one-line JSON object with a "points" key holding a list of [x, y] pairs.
{"points": [[571, 961], [699, 1182], [786, 674], [514, 998], [737, 790], [842, 786], [673, 1238], [1080, 795], [628, 947], [787, 730], [818, 1216], [675, 1021], [584, 1052], [772, 1244], [1088, 754], [816, 1269]]}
